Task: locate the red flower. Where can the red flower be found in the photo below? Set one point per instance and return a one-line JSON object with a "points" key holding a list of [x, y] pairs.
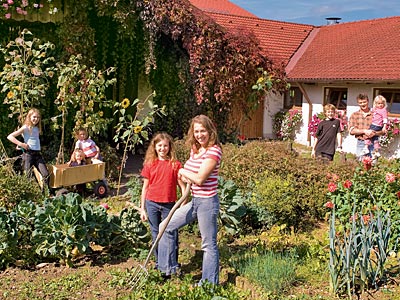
{"points": [[241, 137], [366, 219], [398, 194], [390, 177], [332, 187], [329, 204], [367, 161], [347, 184]]}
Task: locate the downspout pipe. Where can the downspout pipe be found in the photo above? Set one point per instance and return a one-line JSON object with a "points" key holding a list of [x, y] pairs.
{"points": [[310, 108]]}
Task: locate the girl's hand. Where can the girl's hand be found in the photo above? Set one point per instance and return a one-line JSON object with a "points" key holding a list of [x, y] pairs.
{"points": [[23, 146], [313, 153], [143, 215]]}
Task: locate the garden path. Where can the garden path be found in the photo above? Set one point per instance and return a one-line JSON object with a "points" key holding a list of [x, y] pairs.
{"points": [[132, 167]]}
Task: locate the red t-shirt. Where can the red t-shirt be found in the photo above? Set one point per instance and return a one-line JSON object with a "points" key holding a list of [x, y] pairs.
{"points": [[163, 180]]}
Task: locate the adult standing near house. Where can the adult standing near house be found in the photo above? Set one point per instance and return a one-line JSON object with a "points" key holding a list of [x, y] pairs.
{"points": [[201, 169], [359, 124]]}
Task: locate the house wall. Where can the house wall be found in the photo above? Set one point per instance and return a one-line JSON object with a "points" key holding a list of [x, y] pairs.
{"points": [[272, 104]]}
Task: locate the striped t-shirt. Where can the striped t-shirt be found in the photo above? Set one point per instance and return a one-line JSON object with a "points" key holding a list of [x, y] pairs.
{"points": [[209, 187]]}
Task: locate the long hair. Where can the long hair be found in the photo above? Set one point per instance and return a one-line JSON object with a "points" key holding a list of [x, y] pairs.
{"points": [[28, 121], [80, 151], [209, 126], [151, 153]]}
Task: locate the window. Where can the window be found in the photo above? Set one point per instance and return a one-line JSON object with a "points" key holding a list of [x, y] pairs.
{"points": [[293, 97], [337, 97], [392, 97]]}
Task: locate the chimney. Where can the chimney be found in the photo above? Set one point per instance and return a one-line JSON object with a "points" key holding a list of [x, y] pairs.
{"points": [[332, 20]]}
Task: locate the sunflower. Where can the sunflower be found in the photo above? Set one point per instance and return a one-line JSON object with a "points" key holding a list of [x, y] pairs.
{"points": [[137, 129], [125, 103], [10, 95]]}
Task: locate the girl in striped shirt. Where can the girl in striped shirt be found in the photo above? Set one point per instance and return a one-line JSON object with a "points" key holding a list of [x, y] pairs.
{"points": [[201, 169]]}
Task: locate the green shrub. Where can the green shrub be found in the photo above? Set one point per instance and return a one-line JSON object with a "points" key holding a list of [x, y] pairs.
{"points": [[285, 187], [8, 238], [15, 188], [232, 207], [112, 160]]}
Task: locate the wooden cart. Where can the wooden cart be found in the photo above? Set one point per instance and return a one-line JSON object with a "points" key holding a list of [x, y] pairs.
{"points": [[64, 176]]}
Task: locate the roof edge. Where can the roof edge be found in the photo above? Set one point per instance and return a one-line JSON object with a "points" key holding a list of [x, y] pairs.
{"points": [[300, 51]]}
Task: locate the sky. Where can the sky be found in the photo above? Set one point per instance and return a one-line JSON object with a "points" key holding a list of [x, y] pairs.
{"points": [[314, 12]]}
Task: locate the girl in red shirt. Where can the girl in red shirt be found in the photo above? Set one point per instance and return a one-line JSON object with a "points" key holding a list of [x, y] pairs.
{"points": [[160, 180]]}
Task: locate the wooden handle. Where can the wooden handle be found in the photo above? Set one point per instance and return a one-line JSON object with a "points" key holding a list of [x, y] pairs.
{"points": [[166, 221]]}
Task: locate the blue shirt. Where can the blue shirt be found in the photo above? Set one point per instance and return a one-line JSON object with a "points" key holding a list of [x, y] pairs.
{"points": [[31, 137]]}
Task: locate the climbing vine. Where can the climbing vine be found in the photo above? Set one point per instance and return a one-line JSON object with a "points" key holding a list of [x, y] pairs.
{"points": [[203, 63]]}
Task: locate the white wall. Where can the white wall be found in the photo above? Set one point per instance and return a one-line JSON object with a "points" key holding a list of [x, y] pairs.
{"points": [[272, 103]]}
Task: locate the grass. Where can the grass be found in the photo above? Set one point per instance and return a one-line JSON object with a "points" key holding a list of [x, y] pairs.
{"points": [[274, 272]]}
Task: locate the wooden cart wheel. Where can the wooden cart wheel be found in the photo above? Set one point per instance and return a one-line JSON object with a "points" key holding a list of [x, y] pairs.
{"points": [[100, 189]]}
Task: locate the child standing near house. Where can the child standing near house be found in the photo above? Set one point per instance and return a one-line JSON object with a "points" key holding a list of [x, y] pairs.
{"points": [[77, 158], [328, 133], [160, 181], [89, 147], [379, 123], [30, 131]]}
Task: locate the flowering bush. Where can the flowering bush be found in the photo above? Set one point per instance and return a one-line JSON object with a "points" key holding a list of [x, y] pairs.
{"points": [[23, 7], [285, 124], [372, 188], [393, 130], [313, 125], [317, 118]]}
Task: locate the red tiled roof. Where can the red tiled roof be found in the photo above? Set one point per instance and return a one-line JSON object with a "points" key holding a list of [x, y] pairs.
{"points": [[222, 7], [279, 40], [363, 50]]}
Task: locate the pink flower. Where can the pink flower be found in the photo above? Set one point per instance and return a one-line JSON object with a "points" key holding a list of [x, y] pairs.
{"points": [[329, 204], [8, 16], [390, 177], [335, 177], [347, 184], [332, 187], [105, 205], [11, 2], [353, 218]]}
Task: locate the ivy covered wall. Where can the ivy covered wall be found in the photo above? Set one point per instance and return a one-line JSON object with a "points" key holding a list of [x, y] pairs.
{"points": [[168, 46]]}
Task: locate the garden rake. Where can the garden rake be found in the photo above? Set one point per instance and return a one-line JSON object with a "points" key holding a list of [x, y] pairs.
{"points": [[140, 272]]}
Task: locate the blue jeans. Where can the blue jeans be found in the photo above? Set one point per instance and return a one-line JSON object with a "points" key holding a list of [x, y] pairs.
{"points": [[360, 147], [156, 212], [205, 210]]}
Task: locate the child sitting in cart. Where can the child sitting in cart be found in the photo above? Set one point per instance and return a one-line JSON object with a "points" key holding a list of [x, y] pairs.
{"points": [[77, 158], [89, 147]]}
